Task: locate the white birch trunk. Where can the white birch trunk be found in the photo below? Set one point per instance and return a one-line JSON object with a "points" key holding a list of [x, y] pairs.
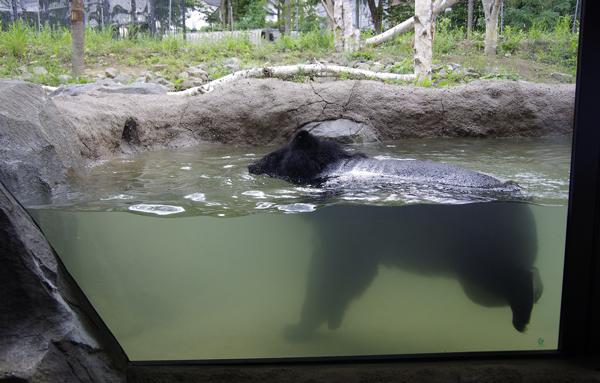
{"points": [[351, 36], [338, 25], [318, 70], [406, 25], [491, 8], [423, 47], [346, 38], [329, 10]]}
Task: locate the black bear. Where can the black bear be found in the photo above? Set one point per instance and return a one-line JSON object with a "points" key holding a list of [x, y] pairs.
{"points": [[490, 248], [308, 160]]}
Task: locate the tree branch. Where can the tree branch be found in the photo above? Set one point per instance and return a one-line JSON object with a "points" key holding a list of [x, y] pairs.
{"points": [[406, 25], [318, 70]]}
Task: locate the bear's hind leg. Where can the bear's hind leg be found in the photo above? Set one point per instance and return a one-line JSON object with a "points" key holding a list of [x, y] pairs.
{"points": [[519, 287], [522, 292]]}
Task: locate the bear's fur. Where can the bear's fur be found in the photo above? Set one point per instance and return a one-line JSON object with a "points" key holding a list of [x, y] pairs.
{"points": [[490, 248], [309, 160]]}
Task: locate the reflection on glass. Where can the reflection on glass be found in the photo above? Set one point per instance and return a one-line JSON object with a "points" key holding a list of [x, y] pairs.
{"points": [[255, 268]]}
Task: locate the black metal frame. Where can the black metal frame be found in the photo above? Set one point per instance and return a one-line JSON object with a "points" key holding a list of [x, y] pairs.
{"points": [[580, 310]]}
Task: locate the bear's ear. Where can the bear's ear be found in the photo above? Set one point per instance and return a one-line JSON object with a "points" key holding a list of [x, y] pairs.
{"points": [[303, 140]]}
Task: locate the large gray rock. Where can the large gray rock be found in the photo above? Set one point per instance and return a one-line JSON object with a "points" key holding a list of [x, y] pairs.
{"points": [[269, 111], [259, 112], [108, 125], [49, 332], [39, 153], [342, 131]]}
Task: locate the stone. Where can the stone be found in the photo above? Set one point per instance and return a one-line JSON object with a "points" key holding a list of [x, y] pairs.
{"points": [[159, 67], [39, 154], [140, 80], [343, 131], [168, 85], [122, 78], [562, 77], [64, 78], [108, 86], [454, 67], [436, 68], [343, 61], [119, 124], [187, 84], [197, 72], [325, 79], [111, 72], [203, 66], [49, 330], [376, 67], [470, 75], [40, 70], [232, 64], [269, 111]]}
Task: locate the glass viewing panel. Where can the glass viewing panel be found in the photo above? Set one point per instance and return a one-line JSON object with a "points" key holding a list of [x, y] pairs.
{"points": [[185, 255]]}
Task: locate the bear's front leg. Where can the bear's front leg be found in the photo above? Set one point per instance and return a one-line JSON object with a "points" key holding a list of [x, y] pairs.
{"points": [[335, 278]]}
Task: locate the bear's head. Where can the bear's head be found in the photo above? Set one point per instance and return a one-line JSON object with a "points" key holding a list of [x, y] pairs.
{"points": [[301, 161]]}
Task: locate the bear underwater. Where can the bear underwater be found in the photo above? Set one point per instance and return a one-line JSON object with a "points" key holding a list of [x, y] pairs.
{"points": [[490, 247]]}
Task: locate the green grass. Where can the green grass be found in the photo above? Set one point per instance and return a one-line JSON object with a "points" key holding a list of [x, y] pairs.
{"points": [[21, 45]]}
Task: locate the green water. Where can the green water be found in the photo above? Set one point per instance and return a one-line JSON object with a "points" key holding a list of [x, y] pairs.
{"points": [[222, 273]]}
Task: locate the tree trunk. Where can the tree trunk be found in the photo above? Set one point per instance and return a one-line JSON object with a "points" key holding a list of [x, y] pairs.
{"points": [[406, 25], [470, 18], [329, 10], [231, 15], [375, 15], [346, 38], [77, 38], [491, 8], [287, 17], [423, 47], [337, 26], [223, 14], [351, 36]]}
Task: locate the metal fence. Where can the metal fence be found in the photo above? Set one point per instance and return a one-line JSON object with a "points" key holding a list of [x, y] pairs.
{"points": [[256, 36], [158, 16]]}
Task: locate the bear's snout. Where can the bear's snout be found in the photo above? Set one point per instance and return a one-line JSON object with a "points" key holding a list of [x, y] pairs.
{"points": [[253, 167]]}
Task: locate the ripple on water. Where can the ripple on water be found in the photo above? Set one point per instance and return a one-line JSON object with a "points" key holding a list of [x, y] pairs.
{"points": [[156, 209], [196, 197], [297, 208]]}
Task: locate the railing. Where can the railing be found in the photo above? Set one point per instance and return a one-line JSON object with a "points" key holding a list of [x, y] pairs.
{"points": [[256, 36]]}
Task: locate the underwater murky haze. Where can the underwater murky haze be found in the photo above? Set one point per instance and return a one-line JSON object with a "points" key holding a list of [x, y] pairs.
{"points": [[186, 255]]}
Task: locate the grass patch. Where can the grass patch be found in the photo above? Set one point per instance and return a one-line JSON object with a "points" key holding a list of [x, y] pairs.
{"points": [[21, 45]]}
